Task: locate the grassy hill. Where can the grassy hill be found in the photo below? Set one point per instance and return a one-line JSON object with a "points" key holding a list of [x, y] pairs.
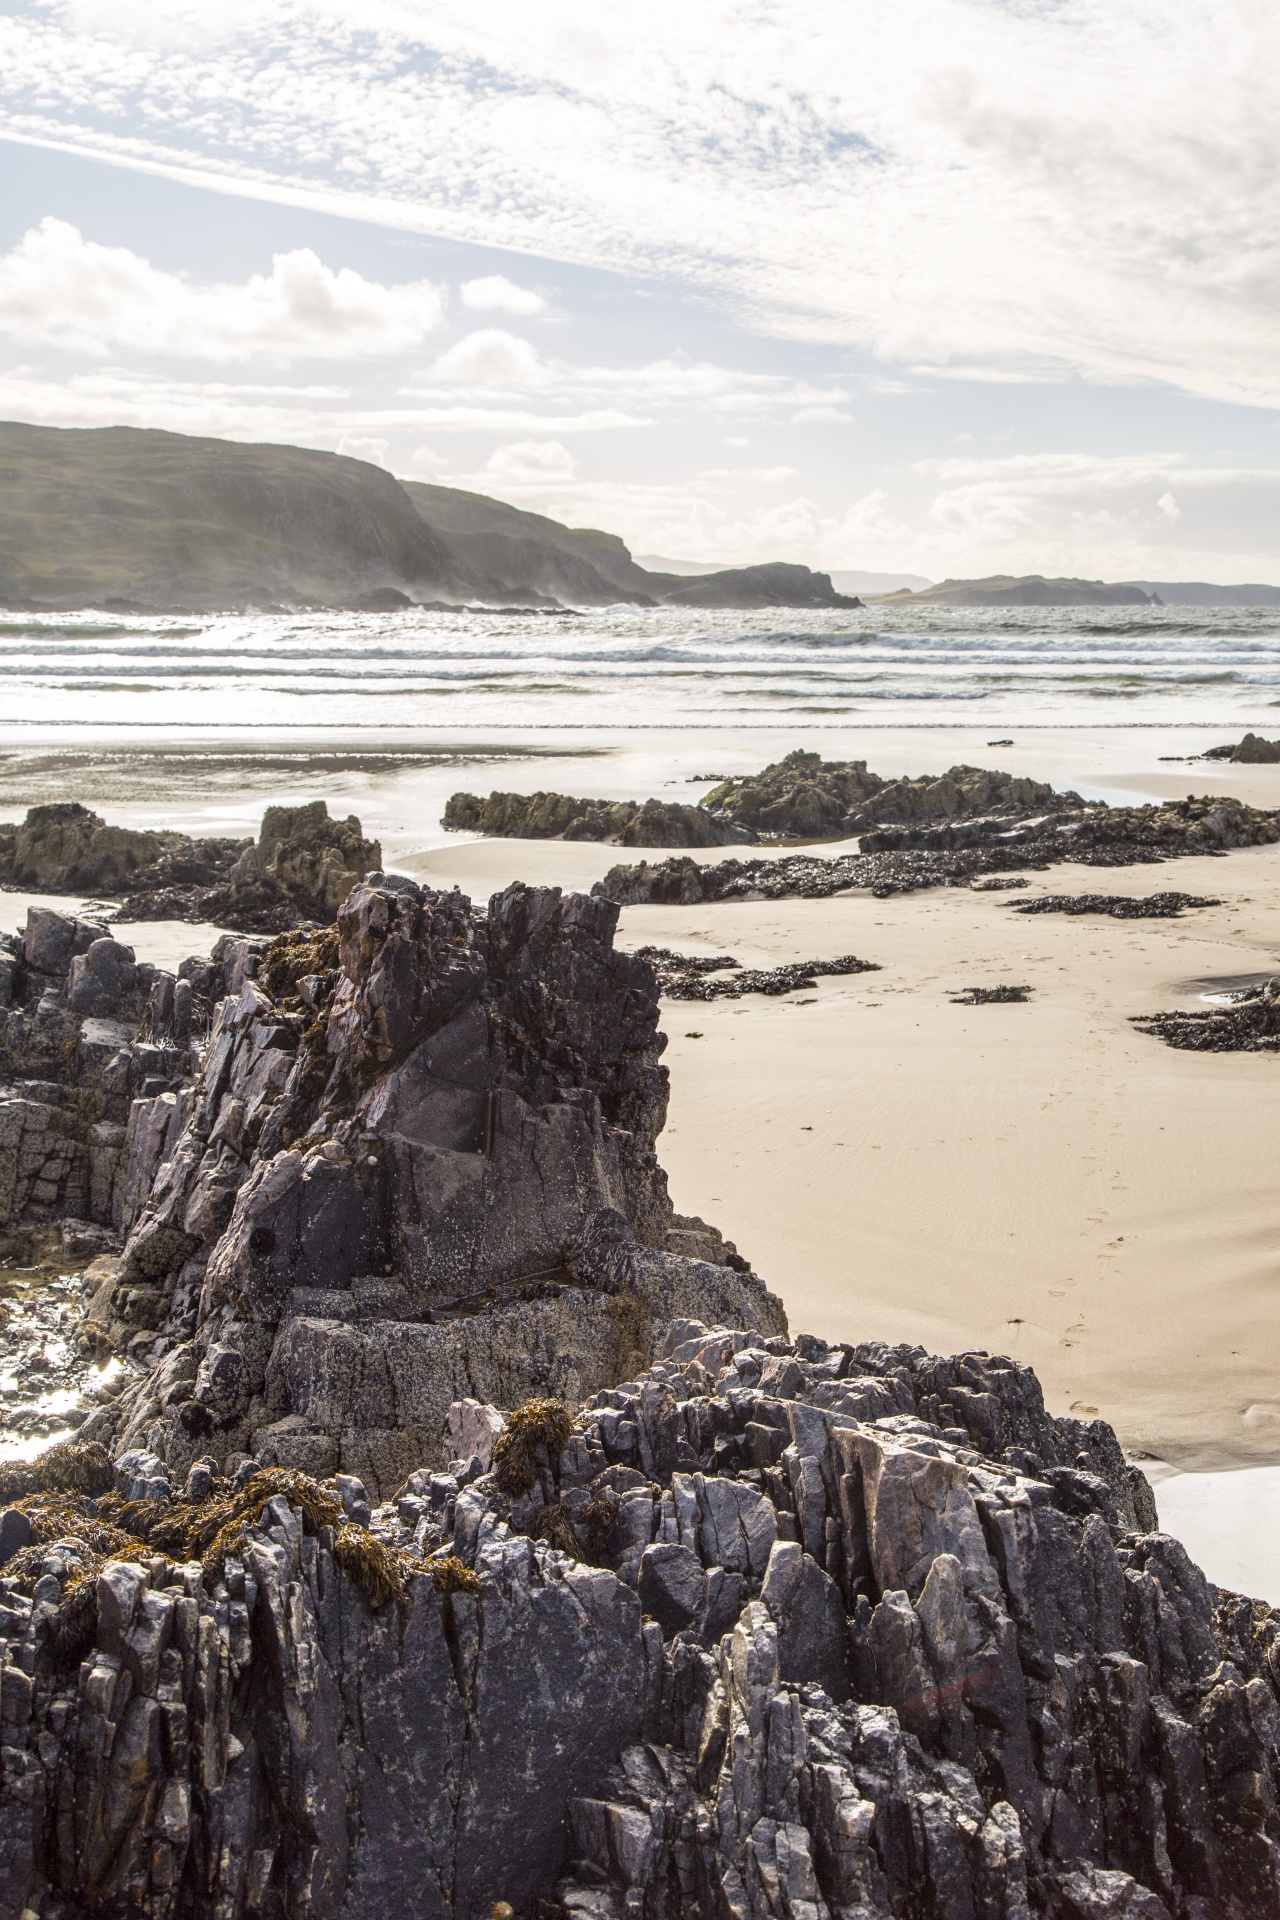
{"points": [[139, 520], [122, 517], [1021, 590]]}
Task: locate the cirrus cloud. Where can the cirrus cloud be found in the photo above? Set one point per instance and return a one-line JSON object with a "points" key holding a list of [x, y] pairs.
{"points": [[901, 175]]}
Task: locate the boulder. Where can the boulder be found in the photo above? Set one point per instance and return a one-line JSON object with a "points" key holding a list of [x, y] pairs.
{"points": [[102, 976]]}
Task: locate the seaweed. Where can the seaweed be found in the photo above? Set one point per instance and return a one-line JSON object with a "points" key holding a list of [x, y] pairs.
{"points": [[381, 1570], [1120, 906], [451, 1575], [72, 1466], [538, 1423], [291, 957], [554, 1527]]}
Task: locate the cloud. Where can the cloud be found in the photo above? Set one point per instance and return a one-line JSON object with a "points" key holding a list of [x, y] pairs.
{"points": [[59, 289], [490, 358], [364, 447], [532, 462], [496, 294], [900, 177]]}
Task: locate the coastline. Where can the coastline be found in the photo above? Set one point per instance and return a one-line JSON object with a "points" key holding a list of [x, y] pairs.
{"points": [[1041, 1180]]}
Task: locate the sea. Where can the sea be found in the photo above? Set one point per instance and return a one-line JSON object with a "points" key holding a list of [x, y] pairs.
{"points": [[626, 667]]}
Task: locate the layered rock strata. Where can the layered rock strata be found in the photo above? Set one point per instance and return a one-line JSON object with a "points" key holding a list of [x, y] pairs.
{"points": [[417, 1162], [776, 1629]]}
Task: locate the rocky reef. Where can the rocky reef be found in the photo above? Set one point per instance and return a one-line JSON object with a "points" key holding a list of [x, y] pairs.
{"points": [[471, 1538], [773, 1629], [1252, 750], [557, 816], [302, 866], [902, 860], [804, 797]]}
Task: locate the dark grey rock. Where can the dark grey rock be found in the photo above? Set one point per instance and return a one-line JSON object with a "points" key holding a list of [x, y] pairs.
{"points": [[672, 1586], [16, 1532]]}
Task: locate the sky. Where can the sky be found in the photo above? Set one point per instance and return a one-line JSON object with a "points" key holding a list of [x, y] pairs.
{"points": [[947, 287]]}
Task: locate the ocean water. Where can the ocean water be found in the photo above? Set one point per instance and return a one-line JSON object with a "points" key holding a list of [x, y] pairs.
{"points": [[623, 667]]}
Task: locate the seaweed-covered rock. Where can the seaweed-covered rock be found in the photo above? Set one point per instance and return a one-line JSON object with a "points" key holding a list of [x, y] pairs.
{"points": [[805, 797], [901, 859]]}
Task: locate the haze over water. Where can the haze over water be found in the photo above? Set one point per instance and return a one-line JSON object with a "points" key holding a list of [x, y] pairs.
{"points": [[624, 667]]}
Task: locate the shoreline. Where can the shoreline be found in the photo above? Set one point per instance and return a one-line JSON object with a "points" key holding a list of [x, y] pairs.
{"points": [[1038, 1179]]}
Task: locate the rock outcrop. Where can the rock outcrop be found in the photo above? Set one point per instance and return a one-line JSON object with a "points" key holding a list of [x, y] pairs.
{"points": [[900, 860], [556, 816], [418, 1162], [302, 866], [775, 1629], [1252, 750], [804, 797], [474, 1540]]}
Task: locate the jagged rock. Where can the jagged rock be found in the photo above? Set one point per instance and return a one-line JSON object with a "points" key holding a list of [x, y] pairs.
{"points": [[783, 1630], [392, 1195], [314, 860]]}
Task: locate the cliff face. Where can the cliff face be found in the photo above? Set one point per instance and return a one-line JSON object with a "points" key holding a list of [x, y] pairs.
{"points": [[696, 1620], [164, 522], [117, 517]]}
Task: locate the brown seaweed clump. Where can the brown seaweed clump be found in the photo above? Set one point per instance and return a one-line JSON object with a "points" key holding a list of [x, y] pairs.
{"points": [[451, 1575], [553, 1526], [538, 1423], [72, 1466], [215, 1528], [291, 957]]}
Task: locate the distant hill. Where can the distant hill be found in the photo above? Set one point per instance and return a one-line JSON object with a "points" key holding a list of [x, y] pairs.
{"points": [[1203, 593], [1026, 590], [844, 579], [131, 519]]}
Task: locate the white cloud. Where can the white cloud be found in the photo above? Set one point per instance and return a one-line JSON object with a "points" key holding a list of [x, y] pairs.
{"points": [[490, 358], [364, 447], [58, 288], [496, 294], [426, 464], [992, 191], [532, 462]]}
